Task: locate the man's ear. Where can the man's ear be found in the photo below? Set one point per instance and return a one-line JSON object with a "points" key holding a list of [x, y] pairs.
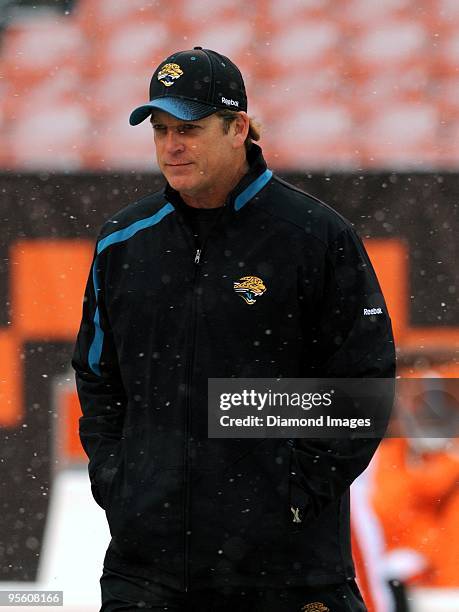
{"points": [[240, 129]]}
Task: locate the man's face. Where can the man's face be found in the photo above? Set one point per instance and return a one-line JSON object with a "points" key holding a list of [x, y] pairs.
{"points": [[193, 155]]}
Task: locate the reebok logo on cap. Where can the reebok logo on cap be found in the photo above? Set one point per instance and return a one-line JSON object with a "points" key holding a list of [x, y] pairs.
{"points": [[230, 102]]}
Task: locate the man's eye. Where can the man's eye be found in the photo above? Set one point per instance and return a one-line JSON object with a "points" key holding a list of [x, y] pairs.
{"points": [[159, 128], [186, 128]]}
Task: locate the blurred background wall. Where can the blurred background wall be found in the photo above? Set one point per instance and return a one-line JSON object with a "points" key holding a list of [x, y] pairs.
{"points": [[360, 106]]}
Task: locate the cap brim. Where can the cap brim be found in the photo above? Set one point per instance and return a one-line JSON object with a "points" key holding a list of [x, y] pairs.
{"points": [[186, 110]]}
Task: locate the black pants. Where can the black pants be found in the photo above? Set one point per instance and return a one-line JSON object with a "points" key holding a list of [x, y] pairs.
{"points": [[132, 594]]}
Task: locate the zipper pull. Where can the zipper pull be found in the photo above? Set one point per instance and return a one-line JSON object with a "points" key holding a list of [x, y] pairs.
{"points": [[197, 257], [296, 515]]}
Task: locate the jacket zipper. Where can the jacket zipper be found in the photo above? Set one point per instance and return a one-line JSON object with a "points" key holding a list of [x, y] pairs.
{"points": [[186, 465], [189, 379]]}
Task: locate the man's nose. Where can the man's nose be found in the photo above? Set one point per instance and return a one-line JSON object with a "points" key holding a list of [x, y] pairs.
{"points": [[174, 142]]}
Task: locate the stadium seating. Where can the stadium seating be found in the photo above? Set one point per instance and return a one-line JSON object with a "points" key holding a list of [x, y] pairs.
{"points": [[313, 136], [116, 144], [402, 135], [95, 18], [113, 92], [301, 46], [357, 13], [51, 137], [36, 47], [298, 10], [342, 80]]}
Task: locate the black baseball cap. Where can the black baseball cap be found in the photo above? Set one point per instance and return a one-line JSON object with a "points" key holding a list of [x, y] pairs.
{"points": [[191, 85]]}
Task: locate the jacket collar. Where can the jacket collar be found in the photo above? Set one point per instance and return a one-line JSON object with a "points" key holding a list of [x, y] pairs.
{"points": [[247, 188]]}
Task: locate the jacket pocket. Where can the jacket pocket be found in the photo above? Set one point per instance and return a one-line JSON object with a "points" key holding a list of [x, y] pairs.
{"points": [[252, 494], [144, 512], [106, 475]]}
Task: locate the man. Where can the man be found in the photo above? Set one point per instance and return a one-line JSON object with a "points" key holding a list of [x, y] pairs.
{"points": [[211, 524]]}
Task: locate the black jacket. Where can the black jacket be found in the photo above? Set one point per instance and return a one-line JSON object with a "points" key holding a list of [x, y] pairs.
{"points": [[158, 321]]}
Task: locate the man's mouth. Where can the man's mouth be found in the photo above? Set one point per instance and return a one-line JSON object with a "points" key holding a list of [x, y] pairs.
{"points": [[179, 165]]}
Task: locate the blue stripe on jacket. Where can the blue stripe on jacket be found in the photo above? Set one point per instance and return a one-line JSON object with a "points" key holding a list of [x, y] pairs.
{"points": [[95, 350]]}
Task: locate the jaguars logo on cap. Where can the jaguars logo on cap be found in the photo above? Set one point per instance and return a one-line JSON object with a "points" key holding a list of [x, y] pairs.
{"points": [[169, 73], [249, 288]]}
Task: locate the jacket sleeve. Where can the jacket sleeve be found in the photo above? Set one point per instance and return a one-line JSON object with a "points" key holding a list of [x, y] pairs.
{"points": [[344, 341], [99, 384]]}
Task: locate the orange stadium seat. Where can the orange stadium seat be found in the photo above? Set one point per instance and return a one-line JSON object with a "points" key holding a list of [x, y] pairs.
{"points": [[33, 48], [446, 54], [97, 17], [395, 44], [313, 137], [115, 145], [447, 12], [357, 13], [400, 136], [296, 9], [135, 46], [206, 12], [279, 93], [63, 85], [389, 63], [385, 88], [444, 92], [51, 137], [117, 92], [301, 46]]}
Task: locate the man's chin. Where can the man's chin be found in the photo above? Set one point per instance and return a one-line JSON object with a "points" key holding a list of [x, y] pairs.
{"points": [[179, 183]]}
